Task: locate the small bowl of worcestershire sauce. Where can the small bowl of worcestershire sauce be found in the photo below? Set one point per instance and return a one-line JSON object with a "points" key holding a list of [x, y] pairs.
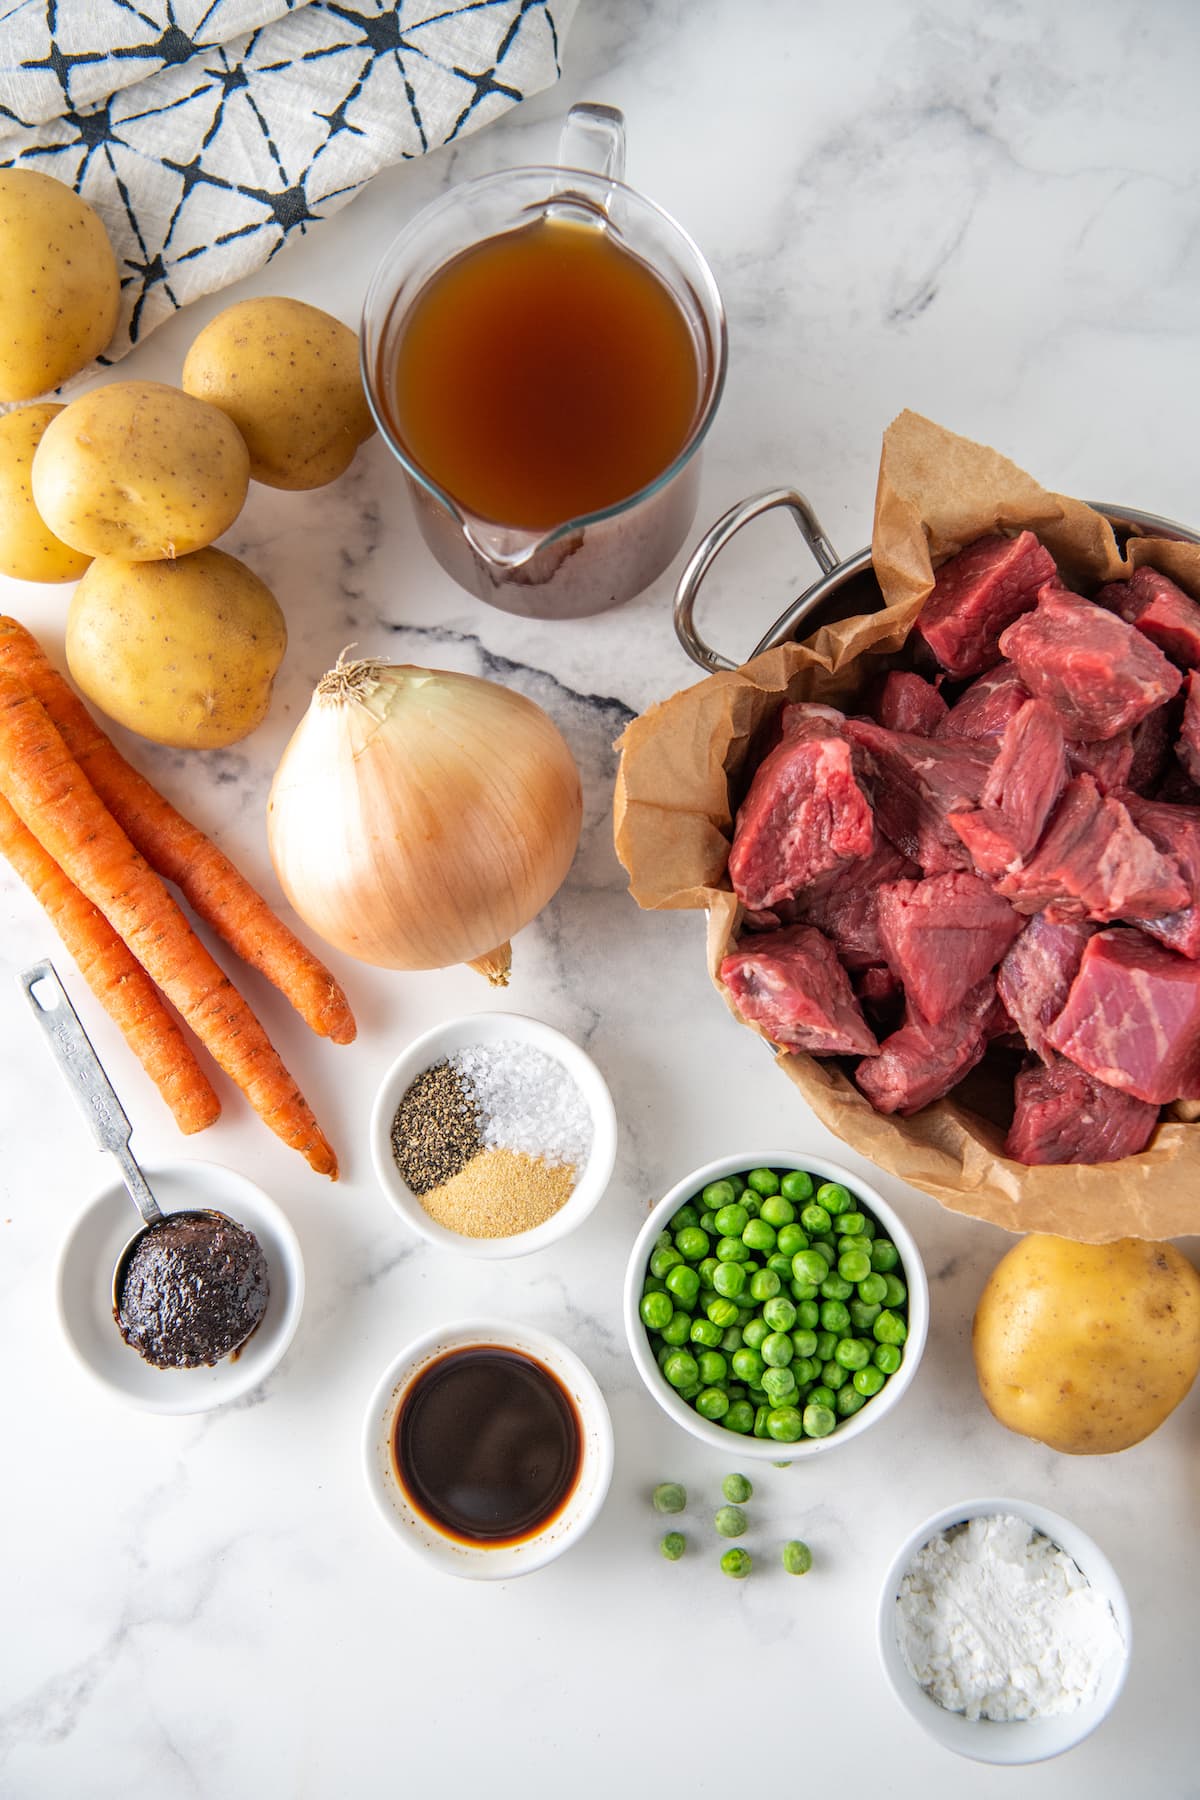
{"points": [[488, 1448]]}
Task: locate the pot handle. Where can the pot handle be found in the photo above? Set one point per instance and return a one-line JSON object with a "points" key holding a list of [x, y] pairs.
{"points": [[714, 541]]}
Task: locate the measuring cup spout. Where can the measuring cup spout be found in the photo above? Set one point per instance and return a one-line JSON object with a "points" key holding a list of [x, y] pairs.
{"points": [[501, 546]]}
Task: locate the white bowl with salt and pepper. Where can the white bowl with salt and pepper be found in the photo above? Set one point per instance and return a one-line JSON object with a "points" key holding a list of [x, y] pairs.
{"points": [[1092, 1653], [566, 1119]]}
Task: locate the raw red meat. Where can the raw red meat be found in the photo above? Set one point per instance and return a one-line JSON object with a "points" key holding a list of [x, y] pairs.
{"points": [[1035, 977], [1177, 787], [976, 594], [908, 702], [1021, 791], [1159, 608], [1109, 761], [1132, 1018], [1063, 1115], [1094, 863], [1100, 674], [805, 815], [984, 709], [921, 1062], [1151, 751], [942, 936], [877, 986], [915, 783], [845, 906], [791, 983], [1175, 830], [1188, 747]]}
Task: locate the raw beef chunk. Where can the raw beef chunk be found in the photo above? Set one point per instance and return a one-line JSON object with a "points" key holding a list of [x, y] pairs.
{"points": [[845, 906], [1109, 761], [1176, 831], [908, 702], [1063, 1115], [915, 783], [942, 936], [1132, 1018], [804, 816], [1094, 863], [921, 1062], [1151, 751], [878, 987], [1035, 977], [976, 594], [1021, 791], [1100, 674], [1188, 747], [1159, 608], [984, 709], [792, 984]]}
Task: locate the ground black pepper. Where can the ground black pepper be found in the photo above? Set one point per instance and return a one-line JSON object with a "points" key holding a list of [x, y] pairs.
{"points": [[435, 1132]]}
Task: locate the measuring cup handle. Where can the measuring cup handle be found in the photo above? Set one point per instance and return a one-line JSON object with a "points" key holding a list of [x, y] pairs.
{"points": [[710, 547], [593, 139]]}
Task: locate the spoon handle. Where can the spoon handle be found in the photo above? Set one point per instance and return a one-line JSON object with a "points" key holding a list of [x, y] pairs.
{"points": [[81, 1070]]}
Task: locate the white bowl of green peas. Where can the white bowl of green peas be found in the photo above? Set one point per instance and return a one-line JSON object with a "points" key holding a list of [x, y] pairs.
{"points": [[775, 1303]]}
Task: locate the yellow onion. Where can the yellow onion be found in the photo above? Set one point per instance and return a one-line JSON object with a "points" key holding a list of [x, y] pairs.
{"points": [[419, 818]]}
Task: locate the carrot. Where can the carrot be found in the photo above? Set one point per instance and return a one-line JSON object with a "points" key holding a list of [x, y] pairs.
{"points": [[217, 892], [120, 984], [54, 799]]}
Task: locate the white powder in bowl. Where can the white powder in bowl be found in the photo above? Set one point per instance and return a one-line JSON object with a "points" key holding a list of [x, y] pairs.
{"points": [[996, 1622]]}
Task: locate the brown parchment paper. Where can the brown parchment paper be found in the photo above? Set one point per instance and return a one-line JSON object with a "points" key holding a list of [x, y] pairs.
{"points": [[685, 763]]}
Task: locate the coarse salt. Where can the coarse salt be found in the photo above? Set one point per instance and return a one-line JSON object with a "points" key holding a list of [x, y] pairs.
{"points": [[527, 1101]]}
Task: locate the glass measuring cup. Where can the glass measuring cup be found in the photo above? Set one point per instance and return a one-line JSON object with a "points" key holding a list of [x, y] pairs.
{"points": [[586, 564]]}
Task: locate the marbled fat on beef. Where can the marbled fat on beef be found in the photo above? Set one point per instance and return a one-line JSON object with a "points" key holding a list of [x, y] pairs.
{"points": [[976, 594], [921, 1062], [984, 709], [1132, 1018], [1160, 609], [1064, 1115], [907, 702], [791, 983], [1099, 674], [1035, 977], [1094, 863], [915, 784], [942, 935], [804, 816], [1021, 791]]}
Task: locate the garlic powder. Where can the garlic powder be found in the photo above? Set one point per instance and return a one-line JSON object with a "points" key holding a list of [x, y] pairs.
{"points": [[997, 1622]]}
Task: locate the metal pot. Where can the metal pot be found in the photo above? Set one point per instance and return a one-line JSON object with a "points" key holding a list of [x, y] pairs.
{"points": [[844, 588]]}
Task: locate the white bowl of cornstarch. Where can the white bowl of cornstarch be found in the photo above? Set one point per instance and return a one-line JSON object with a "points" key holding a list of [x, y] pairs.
{"points": [[1004, 1631], [493, 1135]]}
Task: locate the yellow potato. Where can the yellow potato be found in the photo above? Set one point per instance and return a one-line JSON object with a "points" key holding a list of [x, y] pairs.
{"points": [[140, 471], [59, 288], [29, 550], [287, 375], [1087, 1347], [183, 652]]}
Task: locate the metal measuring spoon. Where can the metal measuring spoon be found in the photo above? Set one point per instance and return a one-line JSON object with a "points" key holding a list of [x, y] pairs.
{"points": [[189, 1287]]}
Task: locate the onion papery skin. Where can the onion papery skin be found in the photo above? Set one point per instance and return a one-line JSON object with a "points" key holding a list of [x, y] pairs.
{"points": [[420, 818]]}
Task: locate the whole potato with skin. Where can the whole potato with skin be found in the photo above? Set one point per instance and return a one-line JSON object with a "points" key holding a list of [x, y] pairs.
{"points": [[60, 292], [287, 374], [183, 652], [1087, 1347], [140, 471], [29, 550]]}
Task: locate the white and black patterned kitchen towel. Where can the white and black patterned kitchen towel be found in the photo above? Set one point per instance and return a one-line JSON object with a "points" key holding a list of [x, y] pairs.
{"points": [[206, 133]]}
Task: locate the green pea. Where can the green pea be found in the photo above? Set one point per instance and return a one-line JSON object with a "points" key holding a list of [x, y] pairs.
{"points": [[740, 1416], [873, 1289], [745, 1314], [737, 1489], [688, 1214], [679, 1330], [833, 1288], [777, 1350], [722, 1312], [747, 1365], [763, 1181], [833, 1375], [669, 1497], [652, 1285], [889, 1328], [737, 1564], [897, 1293], [796, 1186], [822, 1396], [779, 1385], [681, 1369], [852, 1353], [826, 1344], [781, 1264], [729, 1278], [863, 1317], [761, 1415], [662, 1353], [718, 1194], [656, 1311], [804, 1342], [712, 1403], [663, 1241], [814, 1218], [705, 1333], [732, 1220], [869, 1379], [735, 1390], [684, 1283], [818, 1421], [805, 1369], [851, 1224], [730, 1521], [690, 1391], [758, 1235], [797, 1557], [664, 1260], [803, 1290], [791, 1238], [731, 1338], [834, 1316], [750, 1201], [764, 1284], [755, 1333], [706, 1271], [779, 1312], [808, 1314], [778, 1210], [827, 1250], [884, 1256], [855, 1265], [691, 1243], [738, 1185], [712, 1366], [673, 1545], [849, 1401], [834, 1197], [809, 1265], [887, 1358], [785, 1424], [731, 1249], [708, 1222]]}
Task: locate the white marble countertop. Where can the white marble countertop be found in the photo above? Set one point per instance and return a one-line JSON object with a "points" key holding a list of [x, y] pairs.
{"points": [[987, 213]]}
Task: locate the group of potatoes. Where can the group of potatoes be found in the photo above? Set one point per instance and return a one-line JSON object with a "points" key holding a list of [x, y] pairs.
{"points": [[124, 489]]}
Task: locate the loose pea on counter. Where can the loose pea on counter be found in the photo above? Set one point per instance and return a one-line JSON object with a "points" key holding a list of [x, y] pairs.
{"points": [[774, 1306]]}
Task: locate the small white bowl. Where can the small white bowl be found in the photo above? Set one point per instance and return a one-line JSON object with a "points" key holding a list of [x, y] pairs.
{"points": [[766, 1449], [481, 1562], [1019, 1740], [493, 1028], [83, 1289]]}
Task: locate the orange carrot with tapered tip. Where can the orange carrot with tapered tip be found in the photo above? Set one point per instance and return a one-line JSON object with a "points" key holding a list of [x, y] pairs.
{"points": [[55, 801], [119, 982], [179, 850]]}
